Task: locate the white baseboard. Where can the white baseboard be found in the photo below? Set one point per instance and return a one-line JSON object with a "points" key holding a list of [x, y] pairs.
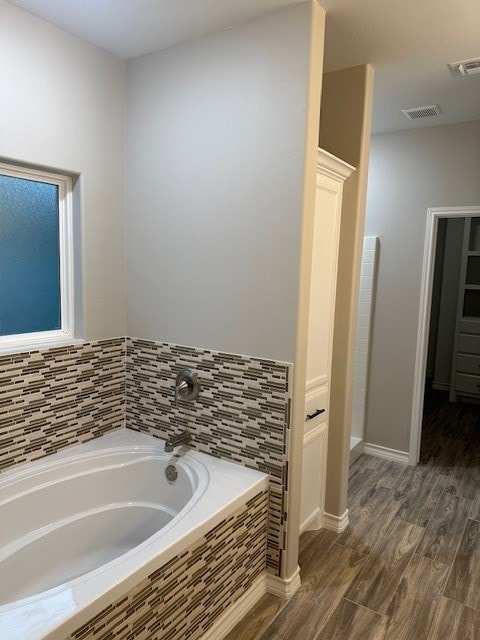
{"points": [[314, 522], [356, 449], [335, 523], [283, 587], [440, 386], [384, 452], [235, 612]]}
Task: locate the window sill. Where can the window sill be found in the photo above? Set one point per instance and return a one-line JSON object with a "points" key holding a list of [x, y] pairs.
{"points": [[39, 345]]}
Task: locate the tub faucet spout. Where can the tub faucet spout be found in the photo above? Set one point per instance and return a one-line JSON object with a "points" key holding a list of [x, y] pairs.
{"points": [[175, 441]]}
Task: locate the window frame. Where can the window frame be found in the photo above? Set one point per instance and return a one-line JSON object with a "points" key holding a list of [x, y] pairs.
{"points": [[65, 237]]}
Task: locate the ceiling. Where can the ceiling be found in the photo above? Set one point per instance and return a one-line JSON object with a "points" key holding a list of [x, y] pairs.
{"points": [[409, 43], [131, 28]]}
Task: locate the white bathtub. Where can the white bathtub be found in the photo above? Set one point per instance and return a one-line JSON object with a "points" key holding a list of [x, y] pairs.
{"points": [[81, 527]]}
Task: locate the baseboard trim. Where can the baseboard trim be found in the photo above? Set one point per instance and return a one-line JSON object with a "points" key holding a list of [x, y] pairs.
{"points": [[283, 587], [440, 386], [235, 612], [386, 453], [314, 521], [335, 523]]}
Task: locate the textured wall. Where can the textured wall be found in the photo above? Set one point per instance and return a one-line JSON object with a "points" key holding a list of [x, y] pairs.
{"points": [[215, 181], [409, 172], [62, 107]]}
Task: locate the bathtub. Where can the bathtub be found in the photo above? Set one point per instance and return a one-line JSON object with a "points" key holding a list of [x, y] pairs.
{"points": [[83, 526]]}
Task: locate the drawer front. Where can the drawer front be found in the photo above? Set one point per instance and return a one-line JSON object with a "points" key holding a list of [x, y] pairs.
{"points": [[316, 406], [467, 384], [470, 326], [468, 364], [469, 344]]}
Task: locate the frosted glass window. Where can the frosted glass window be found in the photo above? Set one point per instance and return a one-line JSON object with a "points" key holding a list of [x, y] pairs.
{"points": [[36, 257], [29, 256]]}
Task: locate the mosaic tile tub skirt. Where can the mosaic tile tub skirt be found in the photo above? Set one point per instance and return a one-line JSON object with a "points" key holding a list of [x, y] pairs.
{"points": [[183, 598]]}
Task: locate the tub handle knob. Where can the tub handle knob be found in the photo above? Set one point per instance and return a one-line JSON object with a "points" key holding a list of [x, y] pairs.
{"points": [[187, 386]]}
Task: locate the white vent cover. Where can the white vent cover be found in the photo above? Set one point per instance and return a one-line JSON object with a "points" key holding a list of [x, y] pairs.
{"points": [[427, 111], [465, 67]]}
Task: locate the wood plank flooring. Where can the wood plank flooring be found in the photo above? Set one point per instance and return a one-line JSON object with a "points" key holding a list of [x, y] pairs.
{"points": [[408, 566]]}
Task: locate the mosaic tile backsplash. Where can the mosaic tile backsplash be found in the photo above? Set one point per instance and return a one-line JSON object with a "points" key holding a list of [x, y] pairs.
{"points": [[242, 414], [54, 398], [58, 397], [183, 598]]}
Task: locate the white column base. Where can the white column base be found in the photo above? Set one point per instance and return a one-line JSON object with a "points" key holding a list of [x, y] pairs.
{"points": [[283, 587], [335, 523]]}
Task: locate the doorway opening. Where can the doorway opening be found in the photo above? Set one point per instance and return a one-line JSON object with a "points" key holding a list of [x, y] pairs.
{"points": [[467, 305]]}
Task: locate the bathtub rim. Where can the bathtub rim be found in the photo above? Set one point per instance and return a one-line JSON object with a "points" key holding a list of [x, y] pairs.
{"points": [[13, 477], [90, 602], [199, 485]]}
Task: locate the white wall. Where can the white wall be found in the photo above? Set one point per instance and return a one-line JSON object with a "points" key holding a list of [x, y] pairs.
{"points": [[62, 107], [409, 172], [366, 306], [215, 169]]}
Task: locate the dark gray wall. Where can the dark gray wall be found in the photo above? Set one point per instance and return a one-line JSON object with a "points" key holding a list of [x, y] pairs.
{"points": [[448, 302], [436, 296]]}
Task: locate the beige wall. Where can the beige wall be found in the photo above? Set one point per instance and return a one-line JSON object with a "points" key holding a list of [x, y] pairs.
{"points": [[62, 107], [216, 132], [317, 37], [409, 172], [345, 131]]}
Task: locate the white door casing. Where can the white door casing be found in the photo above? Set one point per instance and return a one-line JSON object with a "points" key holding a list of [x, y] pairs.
{"points": [[433, 215]]}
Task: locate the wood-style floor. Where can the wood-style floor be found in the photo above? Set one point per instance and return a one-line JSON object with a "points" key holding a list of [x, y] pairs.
{"points": [[408, 566]]}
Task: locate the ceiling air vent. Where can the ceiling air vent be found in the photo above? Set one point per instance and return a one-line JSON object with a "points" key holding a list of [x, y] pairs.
{"points": [[427, 111], [465, 67]]}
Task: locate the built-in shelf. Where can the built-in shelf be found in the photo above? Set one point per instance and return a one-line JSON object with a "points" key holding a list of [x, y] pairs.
{"points": [[473, 271], [465, 381], [474, 239]]}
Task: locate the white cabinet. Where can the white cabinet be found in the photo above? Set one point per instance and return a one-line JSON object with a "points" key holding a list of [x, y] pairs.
{"points": [[331, 174]]}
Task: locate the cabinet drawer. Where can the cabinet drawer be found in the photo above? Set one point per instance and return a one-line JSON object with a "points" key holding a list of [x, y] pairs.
{"points": [[469, 343], [313, 404], [468, 364], [469, 325], [467, 384]]}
